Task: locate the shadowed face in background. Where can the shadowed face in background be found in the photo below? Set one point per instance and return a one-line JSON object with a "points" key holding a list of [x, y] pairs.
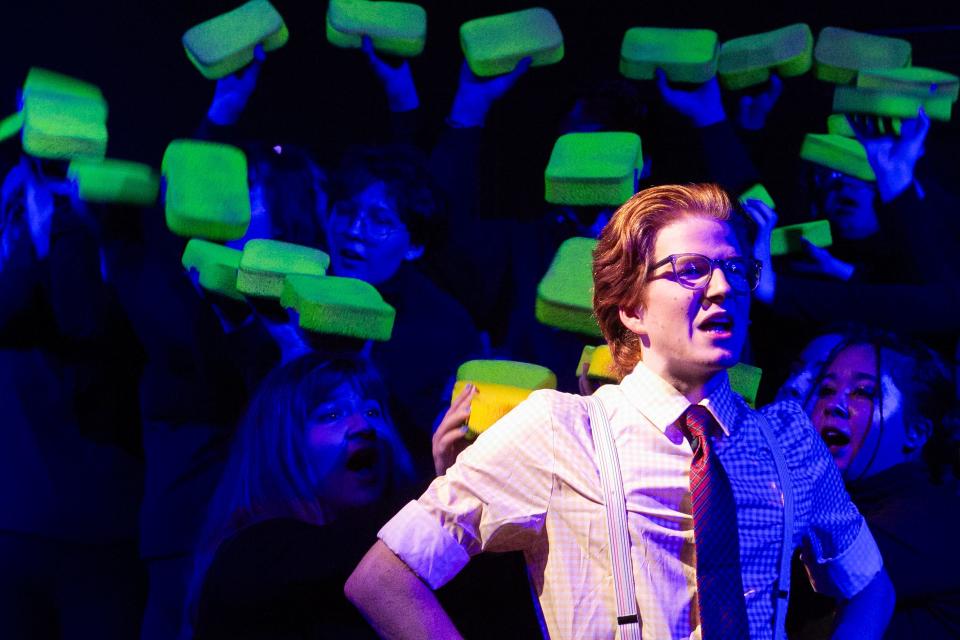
{"points": [[366, 236], [847, 202], [347, 450]]}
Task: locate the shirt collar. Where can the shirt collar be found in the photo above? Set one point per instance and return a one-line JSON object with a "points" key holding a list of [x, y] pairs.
{"points": [[663, 405]]}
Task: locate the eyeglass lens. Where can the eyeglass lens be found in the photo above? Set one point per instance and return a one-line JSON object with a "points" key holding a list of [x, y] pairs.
{"points": [[695, 271]]}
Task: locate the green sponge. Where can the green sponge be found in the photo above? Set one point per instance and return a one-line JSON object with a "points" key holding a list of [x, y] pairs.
{"points": [[786, 239], [838, 124], [838, 153], [114, 181], [685, 55], [758, 192], [565, 295], [495, 44], [841, 53], [918, 81], [224, 44], [206, 190], [745, 380], [747, 61], [338, 306], [396, 28], [593, 168], [41, 80], [501, 386], [11, 126], [215, 265], [265, 263], [889, 103], [60, 126]]}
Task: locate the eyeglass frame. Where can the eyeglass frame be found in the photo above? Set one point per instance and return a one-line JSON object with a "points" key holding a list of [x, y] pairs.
{"points": [[721, 263], [362, 214]]}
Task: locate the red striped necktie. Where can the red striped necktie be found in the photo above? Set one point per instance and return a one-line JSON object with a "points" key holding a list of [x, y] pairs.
{"points": [[723, 612]]}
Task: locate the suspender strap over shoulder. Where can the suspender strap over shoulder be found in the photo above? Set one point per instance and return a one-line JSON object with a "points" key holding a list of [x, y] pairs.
{"points": [[614, 501]]}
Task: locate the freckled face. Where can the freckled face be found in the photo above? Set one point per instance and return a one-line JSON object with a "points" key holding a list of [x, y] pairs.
{"points": [[689, 335]]}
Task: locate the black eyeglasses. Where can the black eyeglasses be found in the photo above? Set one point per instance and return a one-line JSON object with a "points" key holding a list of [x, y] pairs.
{"points": [[693, 271]]}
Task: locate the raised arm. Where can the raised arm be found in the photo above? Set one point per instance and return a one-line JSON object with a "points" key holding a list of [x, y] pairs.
{"points": [[396, 602]]}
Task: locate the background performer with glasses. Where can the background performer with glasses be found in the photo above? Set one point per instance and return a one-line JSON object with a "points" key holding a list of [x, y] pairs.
{"points": [[705, 510]]}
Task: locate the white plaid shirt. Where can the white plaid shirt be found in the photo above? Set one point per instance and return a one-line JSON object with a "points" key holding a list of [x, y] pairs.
{"points": [[531, 483]]}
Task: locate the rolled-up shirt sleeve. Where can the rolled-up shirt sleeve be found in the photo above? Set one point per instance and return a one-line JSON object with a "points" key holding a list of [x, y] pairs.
{"points": [[494, 498], [839, 552]]}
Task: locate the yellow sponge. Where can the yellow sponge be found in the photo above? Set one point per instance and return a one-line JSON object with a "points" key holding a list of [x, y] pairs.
{"points": [[60, 126], [841, 53], [206, 190], [889, 103], [685, 55], [747, 61], [918, 81], [495, 44], [501, 386], [565, 295], [600, 364], [224, 44], [745, 380], [786, 239], [111, 180], [838, 153], [338, 306], [758, 192], [215, 265], [593, 168], [397, 28], [265, 263]]}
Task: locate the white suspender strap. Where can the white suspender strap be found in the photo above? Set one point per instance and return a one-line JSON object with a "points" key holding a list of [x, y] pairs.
{"points": [[782, 586], [611, 481]]}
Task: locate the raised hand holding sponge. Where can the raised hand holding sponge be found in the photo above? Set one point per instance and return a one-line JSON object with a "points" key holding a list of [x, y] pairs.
{"points": [[684, 55], [494, 45], [226, 43], [395, 28]]}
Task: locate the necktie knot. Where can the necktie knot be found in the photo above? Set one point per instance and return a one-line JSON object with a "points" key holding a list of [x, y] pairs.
{"points": [[696, 422]]}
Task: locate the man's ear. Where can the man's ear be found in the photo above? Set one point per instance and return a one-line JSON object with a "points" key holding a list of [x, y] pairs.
{"points": [[919, 431], [414, 251], [632, 319]]}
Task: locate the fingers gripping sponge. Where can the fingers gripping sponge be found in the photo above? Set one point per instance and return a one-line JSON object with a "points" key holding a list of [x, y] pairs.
{"points": [[841, 53], [747, 61], [224, 44], [114, 181], [338, 306], [838, 124], [565, 295], [685, 55], [397, 28], [787, 239], [206, 190], [495, 44], [889, 103], [501, 385], [593, 168], [265, 263], [214, 265], [838, 153]]}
